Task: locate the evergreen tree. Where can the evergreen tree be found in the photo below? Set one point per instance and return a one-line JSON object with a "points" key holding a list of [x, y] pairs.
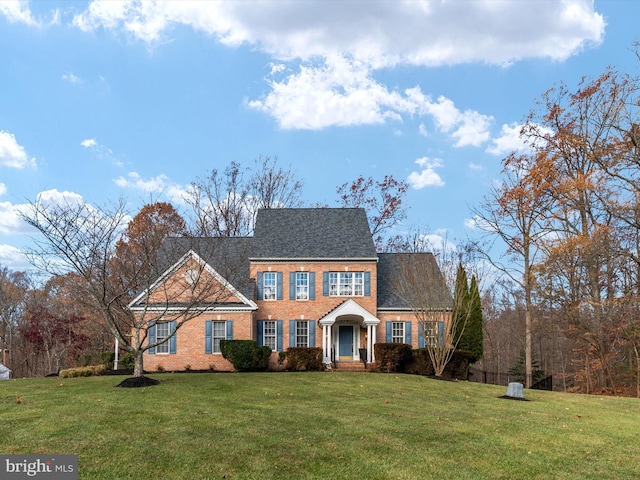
{"points": [[459, 314], [469, 332], [472, 338], [518, 371]]}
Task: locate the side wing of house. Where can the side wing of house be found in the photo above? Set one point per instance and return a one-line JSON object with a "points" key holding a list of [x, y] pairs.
{"points": [[193, 306], [408, 282]]}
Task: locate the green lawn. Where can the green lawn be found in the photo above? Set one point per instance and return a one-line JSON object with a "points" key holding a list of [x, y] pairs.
{"points": [[319, 425]]}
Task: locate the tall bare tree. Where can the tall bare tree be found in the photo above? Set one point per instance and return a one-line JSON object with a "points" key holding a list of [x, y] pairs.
{"points": [[83, 239], [225, 202], [383, 201], [13, 289], [516, 212]]}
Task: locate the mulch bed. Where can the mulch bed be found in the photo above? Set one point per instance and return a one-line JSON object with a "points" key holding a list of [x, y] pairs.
{"points": [[137, 382]]}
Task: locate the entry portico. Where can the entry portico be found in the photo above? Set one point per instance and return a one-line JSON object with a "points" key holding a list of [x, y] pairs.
{"points": [[342, 330]]}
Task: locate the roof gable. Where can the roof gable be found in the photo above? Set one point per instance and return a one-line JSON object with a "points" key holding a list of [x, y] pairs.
{"points": [[223, 259], [312, 233]]}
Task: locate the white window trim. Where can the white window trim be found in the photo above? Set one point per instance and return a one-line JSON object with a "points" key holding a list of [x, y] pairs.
{"points": [[266, 336], [395, 328], [302, 289], [346, 284], [162, 348], [269, 290]]}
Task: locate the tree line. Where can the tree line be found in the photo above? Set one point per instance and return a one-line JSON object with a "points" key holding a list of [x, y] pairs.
{"points": [[568, 210]]}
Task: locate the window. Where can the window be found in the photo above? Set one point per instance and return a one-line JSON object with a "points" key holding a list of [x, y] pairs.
{"points": [[302, 334], [346, 284], [218, 332], [433, 334], [397, 332], [302, 285], [269, 334], [269, 286], [162, 332]]}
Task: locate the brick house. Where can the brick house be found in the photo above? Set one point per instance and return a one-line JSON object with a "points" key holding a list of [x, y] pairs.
{"points": [[309, 277]]}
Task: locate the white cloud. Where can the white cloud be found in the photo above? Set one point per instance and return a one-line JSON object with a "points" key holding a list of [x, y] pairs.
{"points": [[476, 167], [53, 197], [18, 11], [427, 176], [3, 189], [150, 185], [159, 185], [326, 53], [89, 143], [71, 78], [476, 223], [378, 33], [13, 258], [508, 141], [101, 151], [468, 128], [337, 93], [12, 154]]}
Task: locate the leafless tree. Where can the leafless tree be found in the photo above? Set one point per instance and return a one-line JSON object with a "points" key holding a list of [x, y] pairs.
{"points": [[225, 202], [80, 238]]}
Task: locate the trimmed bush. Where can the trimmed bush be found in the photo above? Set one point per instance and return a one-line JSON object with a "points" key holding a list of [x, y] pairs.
{"points": [[304, 359], [246, 355], [457, 368], [88, 371], [393, 357]]}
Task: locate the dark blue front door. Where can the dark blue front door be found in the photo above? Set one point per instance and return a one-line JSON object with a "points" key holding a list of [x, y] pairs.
{"points": [[345, 341]]}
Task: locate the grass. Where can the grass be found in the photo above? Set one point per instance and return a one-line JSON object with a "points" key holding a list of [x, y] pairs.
{"points": [[318, 425]]}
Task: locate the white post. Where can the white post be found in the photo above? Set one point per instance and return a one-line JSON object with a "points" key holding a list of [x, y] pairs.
{"points": [[374, 337], [115, 358]]}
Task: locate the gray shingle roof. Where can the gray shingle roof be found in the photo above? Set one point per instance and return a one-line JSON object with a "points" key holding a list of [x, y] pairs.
{"points": [[389, 266], [312, 233], [229, 256]]}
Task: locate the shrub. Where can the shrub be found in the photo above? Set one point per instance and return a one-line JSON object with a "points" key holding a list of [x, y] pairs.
{"points": [[301, 359], [393, 357], [457, 368], [127, 361], [88, 371], [246, 355], [107, 359]]}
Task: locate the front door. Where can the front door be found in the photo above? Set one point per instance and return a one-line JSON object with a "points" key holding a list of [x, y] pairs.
{"points": [[345, 342]]}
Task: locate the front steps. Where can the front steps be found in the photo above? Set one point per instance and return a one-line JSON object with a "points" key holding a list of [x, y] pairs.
{"points": [[349, 367]]}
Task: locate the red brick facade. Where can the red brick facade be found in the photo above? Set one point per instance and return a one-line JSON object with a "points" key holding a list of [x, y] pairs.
{"points": [[325, 301]]}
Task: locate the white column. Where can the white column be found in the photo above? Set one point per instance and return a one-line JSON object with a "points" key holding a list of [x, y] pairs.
{"points": [[324, 344], [373, 342], [329, 343], [368, 343]]}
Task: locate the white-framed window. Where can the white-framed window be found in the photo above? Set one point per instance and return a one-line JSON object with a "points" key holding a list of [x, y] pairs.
{"points": [[162, 332], [397, 332], [302, 285], [342, 284], [269, 334], [430, 334], [269, 286], [302, 333], [218, 332]]}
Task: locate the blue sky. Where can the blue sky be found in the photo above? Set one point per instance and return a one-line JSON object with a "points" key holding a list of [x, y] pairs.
{"points": [[108, 99]]}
